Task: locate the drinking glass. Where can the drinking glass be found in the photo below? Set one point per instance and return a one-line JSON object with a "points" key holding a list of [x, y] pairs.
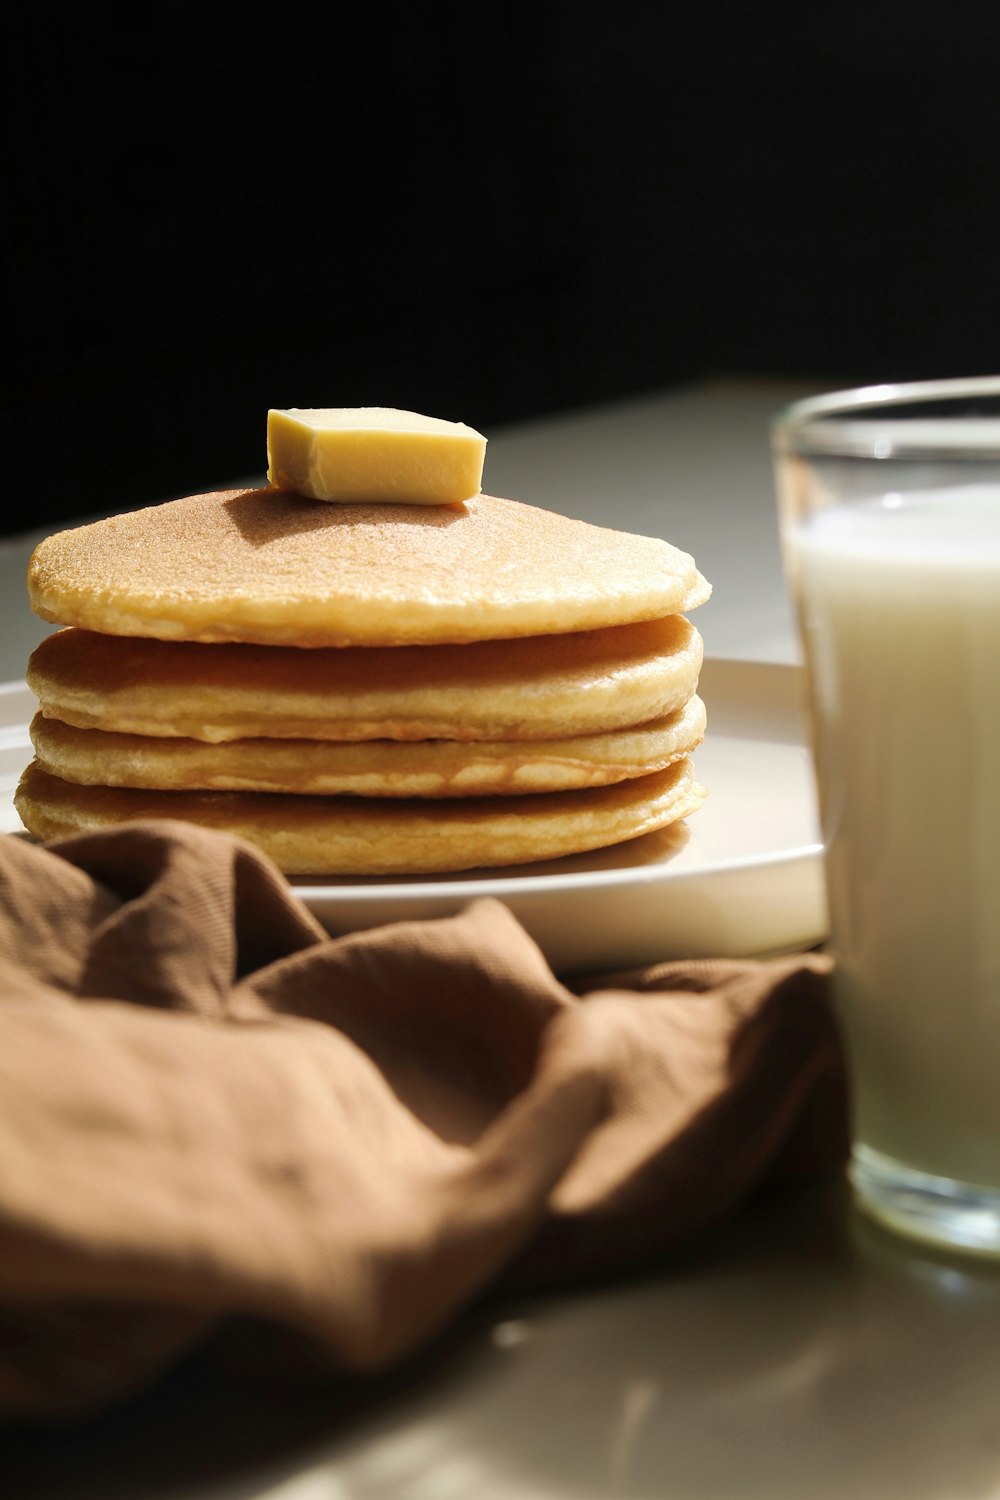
{"points": [[889, 508]]}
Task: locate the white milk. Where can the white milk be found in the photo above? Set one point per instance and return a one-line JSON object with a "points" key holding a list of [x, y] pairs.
{"points": [[900, 600]]}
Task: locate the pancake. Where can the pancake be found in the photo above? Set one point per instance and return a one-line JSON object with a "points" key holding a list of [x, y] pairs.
{"points": [[373, 768], [538, 687], [379, 836], [275, 569]]}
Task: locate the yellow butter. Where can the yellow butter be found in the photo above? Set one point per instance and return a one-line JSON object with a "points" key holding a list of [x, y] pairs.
{"points": [[373, 453]]}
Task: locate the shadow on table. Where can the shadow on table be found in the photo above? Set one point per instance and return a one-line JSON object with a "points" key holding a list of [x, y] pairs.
{"points": [[798, 1351]]}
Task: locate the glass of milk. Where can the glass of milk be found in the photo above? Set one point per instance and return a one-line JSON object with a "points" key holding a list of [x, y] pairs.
{"points": [[889, 502]]}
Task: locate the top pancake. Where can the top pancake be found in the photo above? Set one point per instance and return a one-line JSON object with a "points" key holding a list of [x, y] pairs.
{"points": [[273, 569]]}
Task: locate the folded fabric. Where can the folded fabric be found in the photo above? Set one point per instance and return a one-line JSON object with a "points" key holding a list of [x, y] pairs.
{"points": [[210, 1110]]}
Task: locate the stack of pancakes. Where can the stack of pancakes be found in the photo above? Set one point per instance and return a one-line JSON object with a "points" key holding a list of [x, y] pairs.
{"points": [[365, 689]]}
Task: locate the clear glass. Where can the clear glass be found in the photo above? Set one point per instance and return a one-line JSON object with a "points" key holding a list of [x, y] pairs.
{"points": [[889, 505]]}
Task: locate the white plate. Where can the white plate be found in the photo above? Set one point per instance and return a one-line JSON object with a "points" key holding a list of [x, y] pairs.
{"points": [[743, 876]]}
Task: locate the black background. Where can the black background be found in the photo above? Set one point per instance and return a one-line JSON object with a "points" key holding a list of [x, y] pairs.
{"points": [[478, 210]]}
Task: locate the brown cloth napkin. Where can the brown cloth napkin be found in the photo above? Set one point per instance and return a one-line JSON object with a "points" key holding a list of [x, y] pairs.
{"points": [[210, 1110]]}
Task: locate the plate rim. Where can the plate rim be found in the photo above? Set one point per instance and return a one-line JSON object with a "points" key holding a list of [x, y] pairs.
{"points": [[478, 888]]}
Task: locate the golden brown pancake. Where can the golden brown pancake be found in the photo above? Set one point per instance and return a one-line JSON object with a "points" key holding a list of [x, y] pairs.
{"points": [[370, 689], [274, 569], [376, 836], [372, 768], [544, 687]]}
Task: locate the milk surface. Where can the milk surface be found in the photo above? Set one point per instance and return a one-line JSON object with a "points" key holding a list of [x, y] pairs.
{"points": [[900, 601]]}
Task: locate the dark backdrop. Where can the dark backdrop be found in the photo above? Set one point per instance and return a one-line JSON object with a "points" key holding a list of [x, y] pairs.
{"points": [[483, 211]]}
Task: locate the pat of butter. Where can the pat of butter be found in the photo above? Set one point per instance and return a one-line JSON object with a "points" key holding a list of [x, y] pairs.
{"points": [[373, 453]]}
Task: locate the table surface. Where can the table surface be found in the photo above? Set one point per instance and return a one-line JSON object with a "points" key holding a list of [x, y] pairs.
{"points": [[797, 1352]]}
